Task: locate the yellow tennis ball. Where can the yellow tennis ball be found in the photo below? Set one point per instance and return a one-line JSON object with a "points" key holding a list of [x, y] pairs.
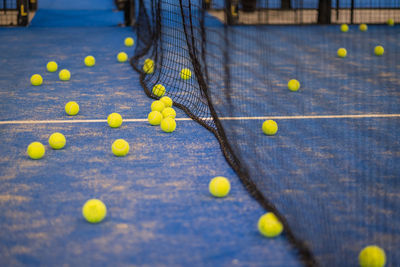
{"points": [[342, 52], [35, 150], [269, 225], [159, 90], [64, 75], [57, 140], [157, 106], [293, 85], [363, 27], [186, 74], [167, 101], [372, 256], [129, 41], [390, 22], [94, 210], [155, 117], [344, 28], [269, 127], [122, 57], [168, 125], [379, 50], [72, 108], [120, 147], [90, 61], [114, 120], [52, 66], [36, 79], [219, 186], [148, 66], [169, 113]]}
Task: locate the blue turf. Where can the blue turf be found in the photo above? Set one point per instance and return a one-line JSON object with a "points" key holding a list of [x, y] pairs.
{"points": [[107, 5], [76, 18], [329, 85], [68, 47], [325, 172], [160, 212], [75, 13]]}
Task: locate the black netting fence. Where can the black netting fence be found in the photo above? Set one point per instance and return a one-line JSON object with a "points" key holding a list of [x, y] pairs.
{"points": [[302, 12], [333, 182]]}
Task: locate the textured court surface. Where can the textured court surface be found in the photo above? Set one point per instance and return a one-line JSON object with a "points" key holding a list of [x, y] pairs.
{"points": [[335, 180], [160, 213], [159, 209]]}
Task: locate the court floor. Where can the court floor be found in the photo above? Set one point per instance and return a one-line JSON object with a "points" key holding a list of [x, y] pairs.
{"points": [[159, 210]]}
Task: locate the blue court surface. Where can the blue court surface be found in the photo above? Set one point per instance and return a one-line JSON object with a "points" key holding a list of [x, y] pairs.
{"points": [[159, 210]]}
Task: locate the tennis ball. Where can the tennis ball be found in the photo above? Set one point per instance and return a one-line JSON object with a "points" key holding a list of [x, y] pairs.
{"points": [[169, 113], [293, 85], [120, 147], [52, 66], [342, 52], [94, 210], [129, 41], [36, 79], [269, 225], [219, 186], [157, 106], [114, 120], [363, 27], [159, 90], [379, 50], [72, 108], [344, 28], [148, 66], [186, 74], [155, 117], [35, 150], [64, 75], [372, 256], [390, 22], [167, 101], [57, 140], [122, 57], [269, 127], [90, 61], [168, 125]]}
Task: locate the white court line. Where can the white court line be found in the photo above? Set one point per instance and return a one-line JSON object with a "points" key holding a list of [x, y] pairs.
{"points": [[314, 117], [222, 118], [65, 121]]}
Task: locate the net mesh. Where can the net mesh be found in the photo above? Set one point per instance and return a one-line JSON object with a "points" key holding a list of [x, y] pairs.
{"points": [[332, 182]]}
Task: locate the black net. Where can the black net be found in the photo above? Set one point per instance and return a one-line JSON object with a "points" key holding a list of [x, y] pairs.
{"points": [[331, 174], [253, 12]]}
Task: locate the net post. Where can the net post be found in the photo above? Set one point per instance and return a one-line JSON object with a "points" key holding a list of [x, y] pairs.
{"points": [[352, 12], [337, 10], [33, 5], [286, 4], [206, 4], [324, 11], [231, 11], [23, 11], [249, 5], [129, 13]]}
